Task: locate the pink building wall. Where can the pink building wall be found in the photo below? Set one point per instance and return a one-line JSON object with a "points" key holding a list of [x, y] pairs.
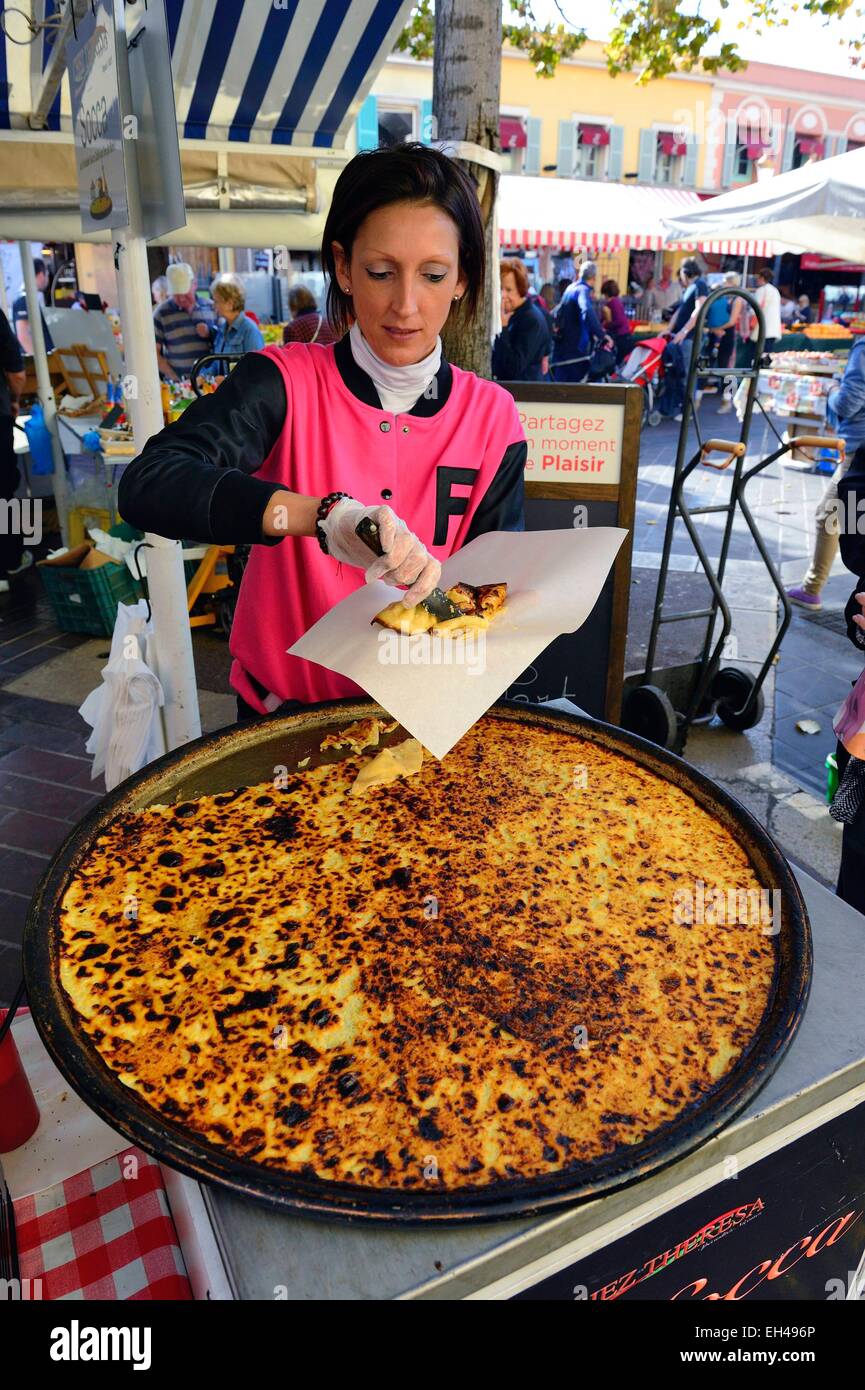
{"points": [[831, 109]]}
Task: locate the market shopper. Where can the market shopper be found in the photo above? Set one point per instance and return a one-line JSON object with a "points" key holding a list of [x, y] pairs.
{"points": [[308, 324], [183, 324], [236, 331], [21, 313], [617, 323], [301, 442], [769, 301], [521, 352], [11, 385], [695, 291], [577, 330], [845, 416]]}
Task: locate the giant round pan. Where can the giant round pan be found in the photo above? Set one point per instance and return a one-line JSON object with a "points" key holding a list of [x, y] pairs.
{"points": [[246, 755]]}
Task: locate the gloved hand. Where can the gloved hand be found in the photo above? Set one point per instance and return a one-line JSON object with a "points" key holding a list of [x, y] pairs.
{"points": [[406, 560]]}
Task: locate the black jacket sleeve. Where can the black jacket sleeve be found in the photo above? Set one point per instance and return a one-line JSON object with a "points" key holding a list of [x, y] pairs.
{"points": [[851, 494], [193, 481], [501, 507]]}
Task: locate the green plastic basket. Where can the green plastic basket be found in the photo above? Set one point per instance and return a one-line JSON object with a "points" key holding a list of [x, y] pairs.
{"points": [[86, 600]]}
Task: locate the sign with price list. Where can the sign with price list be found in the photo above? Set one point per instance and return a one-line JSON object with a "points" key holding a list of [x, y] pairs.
{"points": [[91, 59]]}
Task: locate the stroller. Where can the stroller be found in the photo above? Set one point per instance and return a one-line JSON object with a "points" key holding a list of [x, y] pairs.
{"points": [[644, 366]]}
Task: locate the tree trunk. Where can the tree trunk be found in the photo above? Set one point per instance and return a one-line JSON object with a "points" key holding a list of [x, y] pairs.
{"points": [[466, 85]]}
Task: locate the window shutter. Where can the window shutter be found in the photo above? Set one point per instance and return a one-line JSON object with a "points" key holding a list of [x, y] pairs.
{"points": [[689, 173], [426, 122], [615, 152], [367, 125], [787, 161], [729, 163], [646, 162], [841, 145], [829, 146], [532, 157], [567, 154]]}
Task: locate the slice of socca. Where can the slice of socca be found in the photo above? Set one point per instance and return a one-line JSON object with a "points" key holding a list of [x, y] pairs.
{"points": [[387, 766], [476, 604]]}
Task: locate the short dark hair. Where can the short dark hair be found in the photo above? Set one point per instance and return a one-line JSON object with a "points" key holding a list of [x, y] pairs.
{"points": [[609, 288], [691, 268], [405, 173], [765, 274], [38, 266], [521, 275]]}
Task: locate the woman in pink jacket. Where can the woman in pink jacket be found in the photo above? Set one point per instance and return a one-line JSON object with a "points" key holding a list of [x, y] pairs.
{"points": [[301, 441]]}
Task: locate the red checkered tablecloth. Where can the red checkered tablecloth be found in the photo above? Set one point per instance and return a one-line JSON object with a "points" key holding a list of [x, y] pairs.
{"points": [[106, 1233]]}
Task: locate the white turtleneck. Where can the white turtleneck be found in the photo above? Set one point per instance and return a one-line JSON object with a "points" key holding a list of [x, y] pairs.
{"points": [[398, 387]]}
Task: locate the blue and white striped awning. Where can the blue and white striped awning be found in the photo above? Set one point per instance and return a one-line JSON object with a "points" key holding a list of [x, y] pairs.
{"points": [[259, 72]]}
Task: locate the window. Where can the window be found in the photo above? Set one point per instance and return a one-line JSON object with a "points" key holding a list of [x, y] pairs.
{"points": [[396, 124], [514, 140], [741, 162], [806, 148], [669, 158], [591, 152]]}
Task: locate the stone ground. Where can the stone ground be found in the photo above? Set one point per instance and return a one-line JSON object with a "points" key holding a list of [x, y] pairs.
{"points": [[774, 769]]}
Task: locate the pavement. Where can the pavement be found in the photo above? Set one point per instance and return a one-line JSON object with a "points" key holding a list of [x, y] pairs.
{"points": [[774, 769]]}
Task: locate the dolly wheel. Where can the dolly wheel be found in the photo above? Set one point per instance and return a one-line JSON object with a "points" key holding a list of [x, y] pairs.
{"points": [[649, 713], [655, 418], [732, 689]]}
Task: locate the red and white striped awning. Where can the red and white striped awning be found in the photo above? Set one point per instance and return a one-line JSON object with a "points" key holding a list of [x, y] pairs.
{"points": [[570, 213]]}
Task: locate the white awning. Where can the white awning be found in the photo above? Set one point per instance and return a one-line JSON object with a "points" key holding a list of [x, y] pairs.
{"points": [[818, 207], [571, 213]]}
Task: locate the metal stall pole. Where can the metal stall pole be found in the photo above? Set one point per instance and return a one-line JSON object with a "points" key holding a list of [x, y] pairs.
{"points": [[44, 388], [166, 583]]}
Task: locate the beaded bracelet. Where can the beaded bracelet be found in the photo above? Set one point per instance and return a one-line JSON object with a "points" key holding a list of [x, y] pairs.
{"points": [[325, 507]]}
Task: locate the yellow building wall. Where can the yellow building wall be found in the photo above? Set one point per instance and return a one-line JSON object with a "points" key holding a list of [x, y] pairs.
{"points": [[584, 87], [581, 86]]}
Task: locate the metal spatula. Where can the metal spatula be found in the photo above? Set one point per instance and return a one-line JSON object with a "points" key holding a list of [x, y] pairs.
{"points": [[437, 602]]}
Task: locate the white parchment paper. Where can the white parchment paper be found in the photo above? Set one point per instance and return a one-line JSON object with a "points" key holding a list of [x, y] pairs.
{"points": [[554, 579]]}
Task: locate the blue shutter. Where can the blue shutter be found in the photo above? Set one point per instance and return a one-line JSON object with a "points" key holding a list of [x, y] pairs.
{"points": [[787, 160], [367, 125], [646, 161], [689, 174], [567, 154], [729, 163], [426, 122], [532, 159], [829, 146], [841, 146], [615, 152]]}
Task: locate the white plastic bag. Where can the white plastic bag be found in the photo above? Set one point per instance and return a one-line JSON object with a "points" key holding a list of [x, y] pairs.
{"points": [[124, 711]]}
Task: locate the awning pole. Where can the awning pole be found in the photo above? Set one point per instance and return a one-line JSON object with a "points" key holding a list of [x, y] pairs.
{"points": [[171, 652], [44, 388], [166, 583]]}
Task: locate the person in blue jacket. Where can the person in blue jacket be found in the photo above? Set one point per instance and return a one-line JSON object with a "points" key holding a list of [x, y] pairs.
{"points": [[236, 331], [845, 416], [578, 329]]}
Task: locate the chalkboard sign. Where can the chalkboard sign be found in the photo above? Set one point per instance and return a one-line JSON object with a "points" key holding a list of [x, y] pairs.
{"points": [[581, 470]]}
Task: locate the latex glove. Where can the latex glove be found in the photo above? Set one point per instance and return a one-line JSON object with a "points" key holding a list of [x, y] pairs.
{"points": [[406, 560]]}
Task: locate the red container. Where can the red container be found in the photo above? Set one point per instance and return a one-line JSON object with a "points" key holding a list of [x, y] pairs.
{"points": [[19, 1113]]}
